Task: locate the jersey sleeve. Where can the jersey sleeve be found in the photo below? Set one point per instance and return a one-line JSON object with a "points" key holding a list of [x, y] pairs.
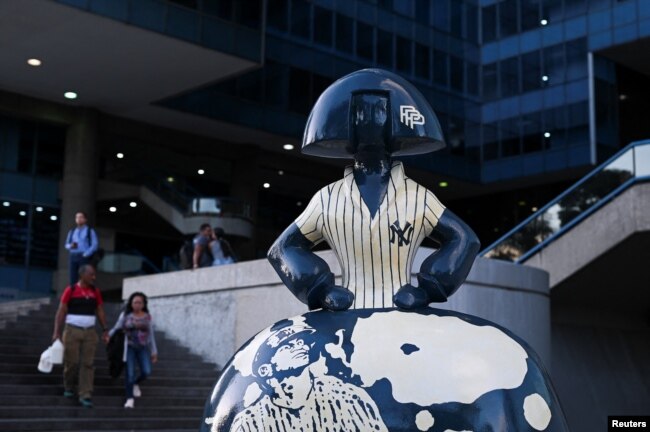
{"points": [[310, 222], [433, 210], [98, 297], [67, 293]]}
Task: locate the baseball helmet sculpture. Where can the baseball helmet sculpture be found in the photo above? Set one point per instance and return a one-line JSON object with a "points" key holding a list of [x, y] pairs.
{"points": [[372, 355]]}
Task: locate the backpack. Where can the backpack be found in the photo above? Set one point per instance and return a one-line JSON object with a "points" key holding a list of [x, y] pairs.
{"points": [[185, 255], [97, 256]]}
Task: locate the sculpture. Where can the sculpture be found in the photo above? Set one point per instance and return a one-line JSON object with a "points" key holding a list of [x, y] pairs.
{"points": [[376, 357]]}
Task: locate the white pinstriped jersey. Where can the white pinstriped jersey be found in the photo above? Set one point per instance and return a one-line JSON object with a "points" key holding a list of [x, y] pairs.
{"points": [[375, 253]]}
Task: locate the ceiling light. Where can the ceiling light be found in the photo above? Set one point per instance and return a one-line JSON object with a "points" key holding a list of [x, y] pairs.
{"points": [[112, 209], [133, 204], [266, 185], [53, 218], [280, 172], [544, 78], [443, 184], [534, 209], [288, 146], [22, 213], [547, 134], [496, 230], [120, 155], [522, 203], [70, 95], [299, 203], [201, 172], [39, 209], [6, 204], [543, 22], [622, 97], [170, 179], [34, 62]]}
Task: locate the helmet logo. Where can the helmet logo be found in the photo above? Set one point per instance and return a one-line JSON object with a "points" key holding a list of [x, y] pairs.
{"points": [[410, 116]]}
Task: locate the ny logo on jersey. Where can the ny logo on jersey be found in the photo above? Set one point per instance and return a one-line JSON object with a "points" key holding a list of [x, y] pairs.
{"points": [[404, 236], [410, 116]]}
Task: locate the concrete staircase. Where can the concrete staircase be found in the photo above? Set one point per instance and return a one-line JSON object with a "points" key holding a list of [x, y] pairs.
{"points": [[173, 397]]}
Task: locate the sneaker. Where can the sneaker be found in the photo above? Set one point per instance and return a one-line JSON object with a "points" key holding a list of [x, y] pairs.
{"points": [[86, 402], [68, 394], [130, 403], [136, 390]]}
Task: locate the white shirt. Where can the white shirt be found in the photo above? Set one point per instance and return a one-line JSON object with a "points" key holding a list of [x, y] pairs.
{"points": [[376, 253]]}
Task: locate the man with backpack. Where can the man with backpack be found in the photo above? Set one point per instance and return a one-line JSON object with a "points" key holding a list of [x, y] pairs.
{"points": [[82, 244]]}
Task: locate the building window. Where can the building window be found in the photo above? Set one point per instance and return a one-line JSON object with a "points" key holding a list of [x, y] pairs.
{"points": [[554, 64], [365, 38], [531, 133], [404, 56], [322, 26], [531, 71], [457, 73], [384, 48], [277, 14], [422, 61], [576, 59], [510, 77], [508, 18], [300, 18], [509, 131], [472, 27], [456, 19], [489, 21], [529, 14], [440, 67], [422, 12], [299, 86], [472, 79], [344, 33], [441, 14], [490, 81]]}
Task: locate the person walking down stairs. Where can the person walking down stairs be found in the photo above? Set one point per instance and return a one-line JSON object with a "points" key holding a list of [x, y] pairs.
{"points": [[81, 304], [140, 344]]}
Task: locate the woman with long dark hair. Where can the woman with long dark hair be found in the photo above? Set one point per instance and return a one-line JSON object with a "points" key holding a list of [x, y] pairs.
{"points": [[140, 344]]}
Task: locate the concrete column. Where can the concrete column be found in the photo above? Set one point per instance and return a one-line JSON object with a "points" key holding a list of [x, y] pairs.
{"points": [[79, 184], [245, 184]]}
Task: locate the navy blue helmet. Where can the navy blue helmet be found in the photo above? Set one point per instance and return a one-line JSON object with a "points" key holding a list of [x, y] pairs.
{"points": [[414, 127]]}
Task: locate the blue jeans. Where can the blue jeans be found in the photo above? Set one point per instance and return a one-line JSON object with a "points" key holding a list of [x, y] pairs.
{"points": [[142, 357], [76, 260]]}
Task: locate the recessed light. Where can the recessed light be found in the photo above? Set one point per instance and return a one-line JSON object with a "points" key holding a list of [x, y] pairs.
{"points": [[522, 203], [70, 95], [299, 203], [22, 213], [266, 185], [280, 172], [133, 204], [201, 172], [170, 179], [288, 146], [6, 204], [543, 22], [112, 209], [120, 155], [53, 218], [39, 209], [622, 97], [496, 230], [534, 209], [547, 134], [443, 184], [544, 78], [34, 62]]}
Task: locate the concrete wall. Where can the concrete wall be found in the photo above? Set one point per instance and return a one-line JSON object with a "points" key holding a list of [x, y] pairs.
{"points": [[213, 311]]}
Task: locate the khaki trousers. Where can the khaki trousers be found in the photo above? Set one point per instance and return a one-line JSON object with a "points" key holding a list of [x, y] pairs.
{"points": [[78, 356]]}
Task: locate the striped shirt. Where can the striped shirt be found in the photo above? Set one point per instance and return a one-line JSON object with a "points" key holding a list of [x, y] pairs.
{"points": [[376, 253]]}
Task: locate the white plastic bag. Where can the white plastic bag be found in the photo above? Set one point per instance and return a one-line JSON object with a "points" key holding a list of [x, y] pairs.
{"points": [[45, 363], [56, 352]]}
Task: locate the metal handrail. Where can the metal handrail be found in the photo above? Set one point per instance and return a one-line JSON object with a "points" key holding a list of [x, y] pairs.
{"points": [[504, 248]]}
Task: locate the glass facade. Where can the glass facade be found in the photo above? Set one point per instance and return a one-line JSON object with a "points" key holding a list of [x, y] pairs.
{"points": [[31, 164], [509, 79]]}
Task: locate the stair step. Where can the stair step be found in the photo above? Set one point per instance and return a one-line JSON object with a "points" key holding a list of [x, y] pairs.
{"points": [[102, 362], [78, 411], [159, 369], [104, 381], [101, 401], [116, 390], [99, 424]]}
